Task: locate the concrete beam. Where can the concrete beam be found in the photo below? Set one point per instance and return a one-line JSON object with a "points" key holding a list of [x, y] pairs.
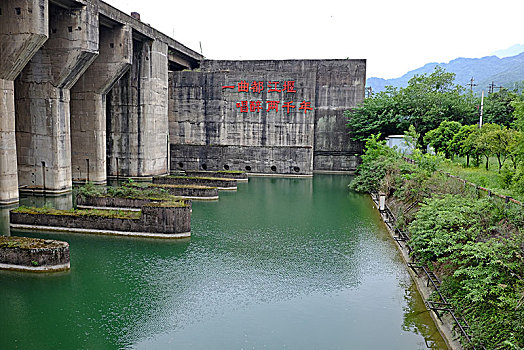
{"points": [[138, 126], [23, 29], [43, 94], [88, 104], [146, 30]]}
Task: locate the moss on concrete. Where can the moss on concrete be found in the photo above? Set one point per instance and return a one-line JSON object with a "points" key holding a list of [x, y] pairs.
{"points": [[28, 243], [119, 214]]}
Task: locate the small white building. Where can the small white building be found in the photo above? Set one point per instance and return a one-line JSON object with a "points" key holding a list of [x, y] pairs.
{"points": [[398, 141]]}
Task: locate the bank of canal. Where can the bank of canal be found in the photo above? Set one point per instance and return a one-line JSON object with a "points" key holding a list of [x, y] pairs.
{"points": [[281, 263]]}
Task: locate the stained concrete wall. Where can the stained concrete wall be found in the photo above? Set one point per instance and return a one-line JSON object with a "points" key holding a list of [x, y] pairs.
{"points": [[137, 131], [42, 94], [208, 129], [88, 103], [23, 29]]}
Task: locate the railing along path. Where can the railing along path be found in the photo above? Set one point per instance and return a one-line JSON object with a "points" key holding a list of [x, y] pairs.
{"points": [[441, 307]]}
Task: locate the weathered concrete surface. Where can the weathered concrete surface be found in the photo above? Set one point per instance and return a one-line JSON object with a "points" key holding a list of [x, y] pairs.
{"points": [[137, 132], [163, 220], [23, 29], [117, 202], [88, 103], [193, 192], [256, 159], [42, 94], [221, 184], [33, 254], [239, 176], [208, 128]]}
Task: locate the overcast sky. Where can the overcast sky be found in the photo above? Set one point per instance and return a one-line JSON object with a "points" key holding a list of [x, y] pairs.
{"points": [[394, 36]]}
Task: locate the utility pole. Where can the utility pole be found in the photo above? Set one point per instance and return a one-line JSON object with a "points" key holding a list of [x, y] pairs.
{"points": [[471, 84], [369, 92], [491, 87], [481, 108]]}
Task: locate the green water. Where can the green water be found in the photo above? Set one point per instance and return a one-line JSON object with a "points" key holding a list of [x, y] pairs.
{"points": [[279, 264]]}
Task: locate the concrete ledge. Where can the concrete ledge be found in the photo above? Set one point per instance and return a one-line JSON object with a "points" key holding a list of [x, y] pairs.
{"points": [[280, 175], [239, 176], [23, 227], [189, 192], [8, 202], [83, 182], [219, 183], [214, 198], [134, 178], [107, 208], [54, 268], [349, 172], [40, 191]]}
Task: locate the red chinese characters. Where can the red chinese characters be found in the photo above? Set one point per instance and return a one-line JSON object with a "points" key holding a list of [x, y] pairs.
{"points": [[243, 106], [306, 106], [255, 106], [288, 105], [257, 86], [271, 105], [289, 86]]}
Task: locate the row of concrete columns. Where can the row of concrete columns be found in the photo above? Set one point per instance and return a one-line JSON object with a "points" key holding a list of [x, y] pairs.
{"points": [[57, 65]]}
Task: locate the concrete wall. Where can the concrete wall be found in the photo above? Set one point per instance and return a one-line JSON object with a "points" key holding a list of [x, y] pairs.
{"points": [[209, 130], [137, 129], [88, 103], [42, 95], [23, 29]]}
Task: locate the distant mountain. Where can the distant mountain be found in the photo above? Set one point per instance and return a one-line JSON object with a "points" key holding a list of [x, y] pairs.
{"points": [[510, 51], [502, 71]]}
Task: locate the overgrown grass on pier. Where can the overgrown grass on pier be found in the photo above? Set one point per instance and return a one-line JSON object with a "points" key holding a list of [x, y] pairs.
{"points": [[199, 178], [119, 214], [128, 191], [150, 185]]}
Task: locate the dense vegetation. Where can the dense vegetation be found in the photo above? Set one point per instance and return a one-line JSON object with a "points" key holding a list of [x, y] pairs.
{"points": [[474, 243], [438, 113]]}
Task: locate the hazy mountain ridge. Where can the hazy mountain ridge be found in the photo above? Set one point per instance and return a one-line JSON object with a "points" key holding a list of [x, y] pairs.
{"points": [[502, 71]]}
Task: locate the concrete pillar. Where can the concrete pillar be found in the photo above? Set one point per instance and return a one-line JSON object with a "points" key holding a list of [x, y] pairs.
{"points": [[23, 29], [88, 104], [138, 132], [42, 94], [381, 201]]}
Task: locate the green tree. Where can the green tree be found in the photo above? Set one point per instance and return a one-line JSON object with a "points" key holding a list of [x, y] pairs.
{"points": [[481, 140], [498, 107], [514, 139], [518, 115], [440, 138], [459, 145], [424, 103]]}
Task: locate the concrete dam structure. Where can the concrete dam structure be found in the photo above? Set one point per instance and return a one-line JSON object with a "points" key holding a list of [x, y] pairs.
{"points": [[88, 92], [271, 117]]}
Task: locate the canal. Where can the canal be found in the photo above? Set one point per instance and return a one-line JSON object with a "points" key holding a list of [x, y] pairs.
{"points": [[279, 264]]}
